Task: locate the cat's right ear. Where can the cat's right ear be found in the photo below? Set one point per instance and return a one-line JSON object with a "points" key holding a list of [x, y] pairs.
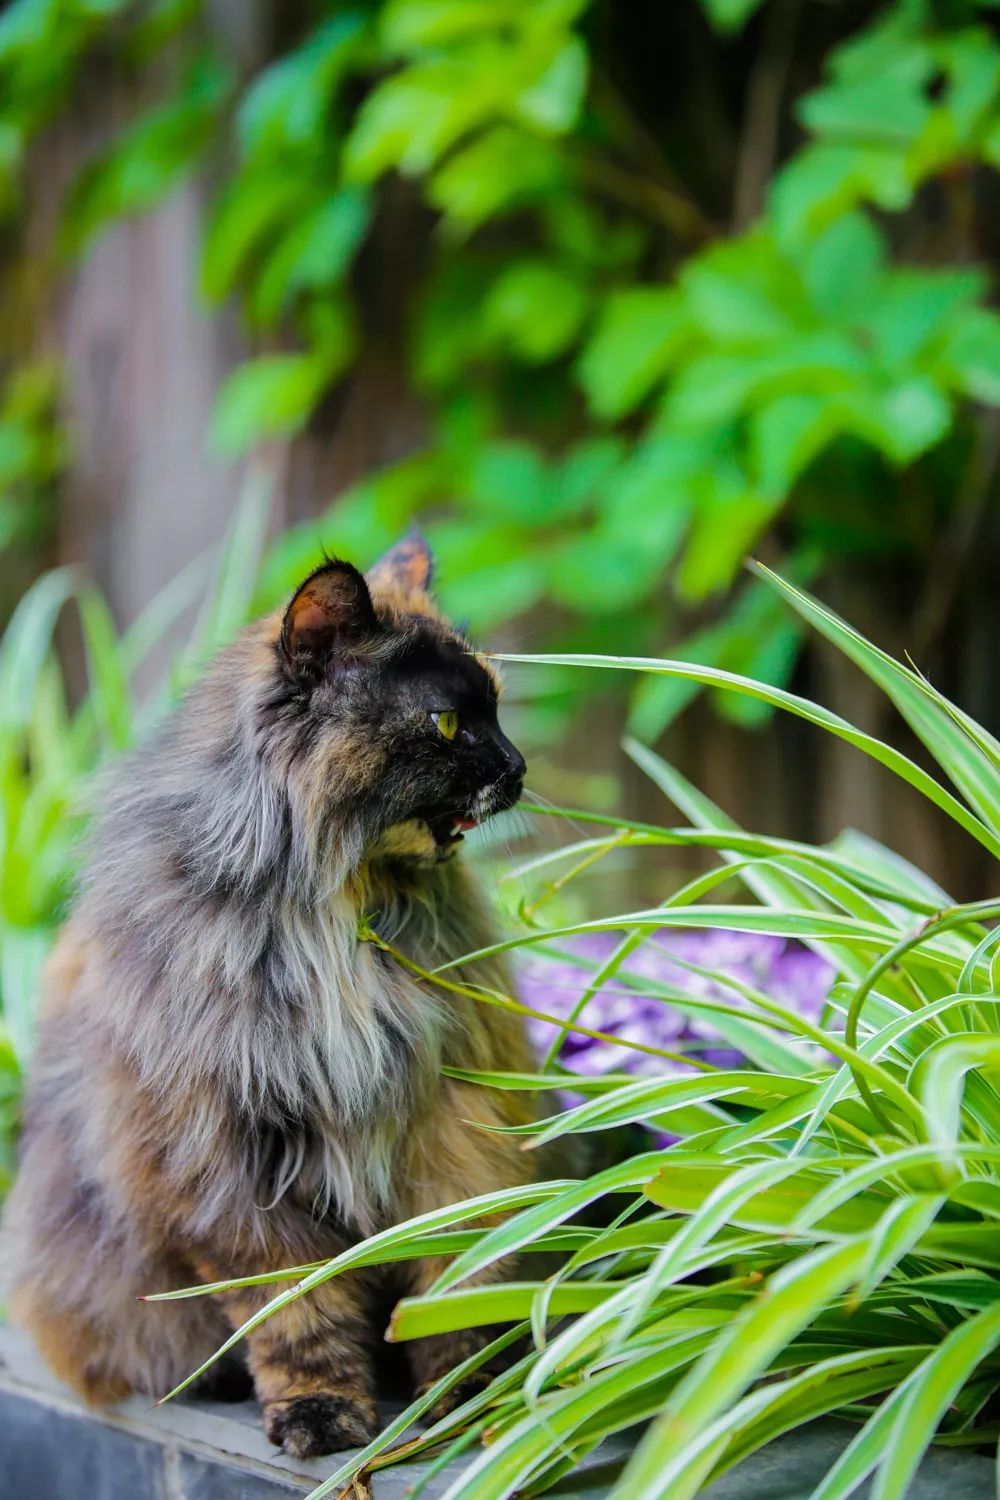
{"points": [[330, 619]]}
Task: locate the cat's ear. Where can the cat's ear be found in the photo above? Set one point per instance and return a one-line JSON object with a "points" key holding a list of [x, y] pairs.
{"points": [[330, 616], [404, 572]]}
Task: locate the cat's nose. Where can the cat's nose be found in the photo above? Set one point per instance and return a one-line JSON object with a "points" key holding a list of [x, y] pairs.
{"points": [[515, 762], [516, 766]]}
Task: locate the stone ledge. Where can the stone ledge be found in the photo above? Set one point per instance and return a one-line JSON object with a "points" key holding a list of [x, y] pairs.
{"points": [[52, 1448]]}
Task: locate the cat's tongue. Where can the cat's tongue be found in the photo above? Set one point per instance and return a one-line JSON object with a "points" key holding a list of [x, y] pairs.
{"points": [[464, 824]]}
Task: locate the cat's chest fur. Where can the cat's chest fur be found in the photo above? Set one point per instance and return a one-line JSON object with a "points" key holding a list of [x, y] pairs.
{"points": [[338, 1086]]}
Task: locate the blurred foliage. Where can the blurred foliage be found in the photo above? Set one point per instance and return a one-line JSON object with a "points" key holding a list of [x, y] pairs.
{"points": [[623, 394], [53, 740], [32, 455]]}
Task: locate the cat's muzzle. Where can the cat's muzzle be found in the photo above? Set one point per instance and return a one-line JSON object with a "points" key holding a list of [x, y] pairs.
{"points": [[496, 797]]}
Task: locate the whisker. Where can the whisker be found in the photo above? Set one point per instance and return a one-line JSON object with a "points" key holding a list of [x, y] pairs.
{"points": [[513, 641], [547, 802]]}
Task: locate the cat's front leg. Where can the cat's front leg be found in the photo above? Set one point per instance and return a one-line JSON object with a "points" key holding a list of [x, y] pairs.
{"points": [[311, 1363]]}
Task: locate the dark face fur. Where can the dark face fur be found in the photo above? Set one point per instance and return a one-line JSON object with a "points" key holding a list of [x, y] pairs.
{"points": [[383, 685]]}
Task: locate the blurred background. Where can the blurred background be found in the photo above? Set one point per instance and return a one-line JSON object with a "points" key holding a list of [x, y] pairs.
{"points": [[606, 297]]}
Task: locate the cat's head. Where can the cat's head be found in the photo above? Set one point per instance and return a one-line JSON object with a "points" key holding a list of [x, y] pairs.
{"points": [[397, 715]]}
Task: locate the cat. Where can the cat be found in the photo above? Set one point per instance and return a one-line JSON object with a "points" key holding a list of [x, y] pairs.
{"points": [[228, 1079]]}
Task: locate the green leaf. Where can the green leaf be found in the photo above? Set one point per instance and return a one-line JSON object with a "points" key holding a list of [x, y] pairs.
{"points": [[587, 472], [779, 698], [558, 1202], [497, 172], [634, 345], [255, 209], [742, 294], [419, 1407], [610, 1399], [26, 644], [938, 1075], [890, 109], [410, 119], [602, 570], [286, 106], [902, 420], [991, 145], [656, 701], [971, 60], [476, 1306], [734, 1359], [314, 255], [915, 307], [372, 1249], [685, 1186], [969, 760], [411, 27], [897, 1436], [717, 388], [108, 683], [786, 435], [657, 1100], [970, 355], [757, 643], [903, 1225], [533, 75], [730, 15], [838, 1382], [511, 478], [822, 182], [274, 394], [535, 309], [727, 520], [491, 595], [552, 102], [651, 493], [843, 268]]}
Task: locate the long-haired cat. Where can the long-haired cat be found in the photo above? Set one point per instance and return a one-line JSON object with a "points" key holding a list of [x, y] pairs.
{"points": [[227, 1080]]}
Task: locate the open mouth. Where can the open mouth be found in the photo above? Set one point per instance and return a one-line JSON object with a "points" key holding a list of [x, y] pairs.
{"points": [[450, 828]]}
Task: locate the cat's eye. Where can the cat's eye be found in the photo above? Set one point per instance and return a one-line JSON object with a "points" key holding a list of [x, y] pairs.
{"points": [[446, 723]]}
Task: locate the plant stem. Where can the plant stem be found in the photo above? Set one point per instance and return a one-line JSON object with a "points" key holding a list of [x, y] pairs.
{"points": [[762, 116], [506, 1002]]}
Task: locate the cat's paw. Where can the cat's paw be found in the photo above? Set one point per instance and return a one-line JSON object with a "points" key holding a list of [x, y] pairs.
{"points": [[306, 1426]]}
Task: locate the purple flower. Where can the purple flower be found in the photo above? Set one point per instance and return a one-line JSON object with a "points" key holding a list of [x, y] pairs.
{"points": [[791, 974]]}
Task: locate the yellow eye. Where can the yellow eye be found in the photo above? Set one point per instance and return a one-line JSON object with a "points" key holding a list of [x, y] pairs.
{"points": [[447, 723]]}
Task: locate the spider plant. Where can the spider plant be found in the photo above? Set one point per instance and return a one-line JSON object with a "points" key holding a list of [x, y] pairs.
{"points": [[819, 1232]]}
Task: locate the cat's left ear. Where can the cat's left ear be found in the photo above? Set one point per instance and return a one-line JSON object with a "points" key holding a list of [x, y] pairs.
{"points": [[330, 618], [405, 571]]}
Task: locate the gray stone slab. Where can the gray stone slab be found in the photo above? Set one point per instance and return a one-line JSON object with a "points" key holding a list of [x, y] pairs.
{"points": [[47, 1454], [203, 1479], [218, 1427], [791, 1467], [220, 1438]]}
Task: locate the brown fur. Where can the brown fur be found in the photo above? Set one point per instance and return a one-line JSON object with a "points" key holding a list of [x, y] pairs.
{"points": [[227, 1080]]}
